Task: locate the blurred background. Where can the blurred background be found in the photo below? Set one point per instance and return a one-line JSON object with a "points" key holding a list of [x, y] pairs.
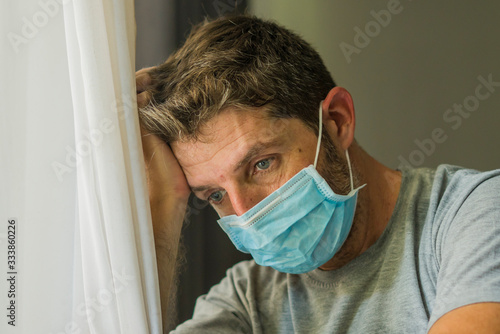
{"points": [[424, 76]]}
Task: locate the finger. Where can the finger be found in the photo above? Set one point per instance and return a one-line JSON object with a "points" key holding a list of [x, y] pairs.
{"points": [[143, 79], [142, 82], [143, 99], [145, 69]]}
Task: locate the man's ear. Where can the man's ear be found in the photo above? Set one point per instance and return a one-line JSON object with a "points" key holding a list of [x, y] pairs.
{"points": [[338, 116]]}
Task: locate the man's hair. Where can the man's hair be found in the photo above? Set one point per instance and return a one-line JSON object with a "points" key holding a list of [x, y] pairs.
{"points": [[240, 62]]}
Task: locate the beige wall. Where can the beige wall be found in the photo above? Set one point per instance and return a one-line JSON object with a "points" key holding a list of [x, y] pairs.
{"points": [[410, 72]]}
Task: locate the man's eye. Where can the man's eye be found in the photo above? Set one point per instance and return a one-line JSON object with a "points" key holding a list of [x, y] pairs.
{"points": [[216, 197], [263, 164]]}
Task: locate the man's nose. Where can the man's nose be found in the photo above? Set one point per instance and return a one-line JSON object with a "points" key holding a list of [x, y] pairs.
{"points": [[243, 198]]}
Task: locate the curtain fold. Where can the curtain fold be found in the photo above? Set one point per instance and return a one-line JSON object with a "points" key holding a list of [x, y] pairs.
{"points": [[72, 174], [113, 212]]}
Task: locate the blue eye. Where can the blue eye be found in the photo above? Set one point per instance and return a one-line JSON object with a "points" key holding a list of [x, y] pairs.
{"points": [[217, 196], [263, 164]]}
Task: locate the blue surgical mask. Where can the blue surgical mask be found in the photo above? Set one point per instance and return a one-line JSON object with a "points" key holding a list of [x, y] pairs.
{"points": [[298, 227]]}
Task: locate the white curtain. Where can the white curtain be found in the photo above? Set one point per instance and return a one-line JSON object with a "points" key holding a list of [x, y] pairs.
{"points": [[76, 244]]}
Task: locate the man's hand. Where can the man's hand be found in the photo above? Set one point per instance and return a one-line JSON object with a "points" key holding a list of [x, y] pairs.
{"points": [[166, 180], [143, 82], [168, 196], [165, 177]]}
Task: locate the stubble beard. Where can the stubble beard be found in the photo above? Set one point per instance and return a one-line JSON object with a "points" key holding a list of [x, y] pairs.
{"points": [[335, 170]]}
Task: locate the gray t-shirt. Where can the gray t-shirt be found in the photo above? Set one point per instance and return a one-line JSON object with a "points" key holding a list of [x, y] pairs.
{"points": [[439, 251]]}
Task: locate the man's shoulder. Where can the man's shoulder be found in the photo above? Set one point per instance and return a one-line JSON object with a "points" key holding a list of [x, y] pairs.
{"points": [[437, 198], [454, 185], [452, 175], [447, 184], [461, 239], [461, 199]]}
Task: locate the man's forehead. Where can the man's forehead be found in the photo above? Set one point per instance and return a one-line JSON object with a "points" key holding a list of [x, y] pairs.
{"points": [[250, 119], [234, 129]]}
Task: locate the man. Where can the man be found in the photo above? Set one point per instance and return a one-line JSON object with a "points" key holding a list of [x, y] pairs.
{"points": [[256, 126]]}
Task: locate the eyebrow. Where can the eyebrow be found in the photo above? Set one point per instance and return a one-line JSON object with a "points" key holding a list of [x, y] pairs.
{"points": [[254, 150]]}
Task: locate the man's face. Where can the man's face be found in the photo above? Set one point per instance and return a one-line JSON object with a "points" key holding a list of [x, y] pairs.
{"points": [[243, 156]]}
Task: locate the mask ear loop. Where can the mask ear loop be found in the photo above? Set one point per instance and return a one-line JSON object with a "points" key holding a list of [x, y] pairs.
{"points": [[320, 132], [350, 170]]}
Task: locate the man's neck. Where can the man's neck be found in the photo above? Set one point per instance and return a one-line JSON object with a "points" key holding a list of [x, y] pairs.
{"points": [[382, 190], [376, 204]]}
